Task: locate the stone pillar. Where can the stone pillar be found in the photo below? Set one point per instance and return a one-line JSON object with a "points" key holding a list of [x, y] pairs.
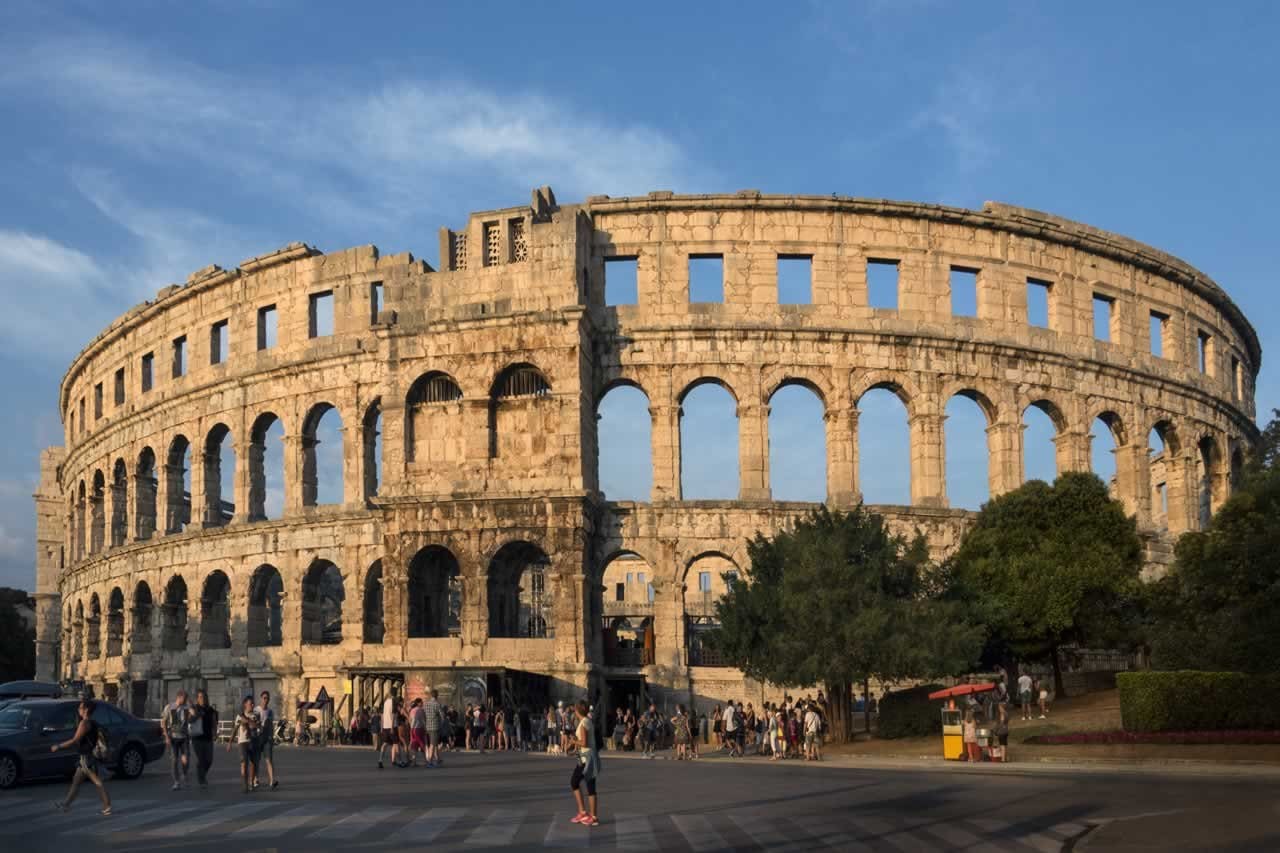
{"points": [[143, 499], [352, 465], [242, 486], [753, 452], [292, 474], [1181, 496], [475, 603], [1072, 451], [393, 449], [479, 432], [668, 607], [210, 489], [97, 523], [842, 455], [928, 466], [1133, 481], [569, 605], [665, 448], [1005, 470]]}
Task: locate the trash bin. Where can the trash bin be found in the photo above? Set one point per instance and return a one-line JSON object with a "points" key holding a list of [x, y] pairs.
{"points": [[952, 734]]}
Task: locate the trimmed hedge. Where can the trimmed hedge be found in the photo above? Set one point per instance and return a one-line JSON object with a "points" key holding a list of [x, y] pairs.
{"points": [[1190, 700], [909, 713]]}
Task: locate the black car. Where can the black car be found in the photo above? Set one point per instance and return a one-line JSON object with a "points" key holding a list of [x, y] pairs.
{"points": [[28, 729]]}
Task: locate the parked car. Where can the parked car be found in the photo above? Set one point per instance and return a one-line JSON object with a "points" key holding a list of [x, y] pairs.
{"points": [[30, 726], [11, 690]]}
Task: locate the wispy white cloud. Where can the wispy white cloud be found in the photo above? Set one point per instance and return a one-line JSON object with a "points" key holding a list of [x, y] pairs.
{"points": [[960, 110]]}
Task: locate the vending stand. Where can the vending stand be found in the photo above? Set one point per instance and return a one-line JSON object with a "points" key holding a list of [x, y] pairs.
{"points": [[953, 717]]}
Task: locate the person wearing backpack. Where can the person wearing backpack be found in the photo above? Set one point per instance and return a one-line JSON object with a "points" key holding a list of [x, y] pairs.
{"points": [[90, 740], [177, 719], [203, 729]]}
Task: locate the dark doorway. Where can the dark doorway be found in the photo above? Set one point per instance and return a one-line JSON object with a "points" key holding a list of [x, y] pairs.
{"points": [[623, 693]]}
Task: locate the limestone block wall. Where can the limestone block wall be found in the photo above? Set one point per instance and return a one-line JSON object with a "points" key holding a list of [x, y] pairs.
{"points": [[469, 529]]}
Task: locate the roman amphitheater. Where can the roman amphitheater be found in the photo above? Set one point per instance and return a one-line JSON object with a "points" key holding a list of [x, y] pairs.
{"points": [[468, 545]]}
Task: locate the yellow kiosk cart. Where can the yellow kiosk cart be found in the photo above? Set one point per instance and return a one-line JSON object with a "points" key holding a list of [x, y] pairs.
{"points": [[953, 717]]}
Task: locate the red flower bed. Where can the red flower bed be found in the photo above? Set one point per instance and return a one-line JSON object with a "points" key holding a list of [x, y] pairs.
{"points": [[1211, 737]]}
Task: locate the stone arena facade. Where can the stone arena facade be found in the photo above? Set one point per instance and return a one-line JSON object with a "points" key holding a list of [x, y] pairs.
{"points": [[471, 547]]}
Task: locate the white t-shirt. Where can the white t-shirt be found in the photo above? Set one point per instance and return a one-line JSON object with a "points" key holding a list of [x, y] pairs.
{"points": [[730, 719], [1024, 683], [812, 722], [389, 713]]}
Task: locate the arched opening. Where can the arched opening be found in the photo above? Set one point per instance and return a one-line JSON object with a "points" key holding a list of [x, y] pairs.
{"points": [[1162, 453], [174, 630], [215, 612], [1105, 437], [434, 428], [1237, 468], [115, 623], [93, 629], [371, 449], [140, 636], [1208, 459], [119, 503], [266, 593], [519, 415], [968, 454], [81, 517], [374, 622], [435, 594], [624, 447], [77, 634], [322, 456], [706, 581], [797, 444], [177, 482], [323, 592], [266, 468], [145, 486], [97, 512], [884, 447], [627, 617], [1039, 442], [219, 477], [520, 592], [709, 443]]}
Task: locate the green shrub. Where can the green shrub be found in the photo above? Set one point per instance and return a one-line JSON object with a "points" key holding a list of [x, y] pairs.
{"points": [[1190, 700], [909, 713]]}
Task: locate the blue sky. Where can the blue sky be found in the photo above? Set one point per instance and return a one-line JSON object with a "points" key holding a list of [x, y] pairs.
{"points": [[142, 143]]}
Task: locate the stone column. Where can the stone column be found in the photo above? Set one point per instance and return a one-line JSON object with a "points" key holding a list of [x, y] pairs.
{"points": [[393, 476], [210, 489], [292, 474], [479, 433], [1133, 481], [475, 600], [1072, 451], [1181, 497], [1005, 470], [242, 486], [665, 448], [928, 465], [842, 455], [569, 604], [352, 464], [668, 607], [753, 452]]}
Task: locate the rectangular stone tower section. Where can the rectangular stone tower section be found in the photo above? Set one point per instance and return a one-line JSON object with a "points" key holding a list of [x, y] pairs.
{"points": [[49, 562]]}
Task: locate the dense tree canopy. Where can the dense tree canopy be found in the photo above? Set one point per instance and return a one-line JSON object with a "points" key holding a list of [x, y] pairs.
{"points": [[1045, 566], [17, 639], [839, 600]]}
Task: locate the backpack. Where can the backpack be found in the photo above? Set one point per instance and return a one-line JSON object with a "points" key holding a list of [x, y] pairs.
{"points": [[175, 722], [101, 749]]}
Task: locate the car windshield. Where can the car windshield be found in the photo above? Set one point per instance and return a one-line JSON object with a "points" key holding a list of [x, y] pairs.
{"points": [[18, 717]]}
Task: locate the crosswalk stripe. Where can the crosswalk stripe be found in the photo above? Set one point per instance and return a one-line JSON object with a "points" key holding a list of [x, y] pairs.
{"points": [[424, 828], [767, 832], [882, 832], [352, 825], [563, 833], [202, 821], [498, 829], [21, 807], [697, 830], [142, 815], [1068, 830], [957, 837], [830, 832], [1040, 841], [282, 823], [85, 810], [634, 832]]}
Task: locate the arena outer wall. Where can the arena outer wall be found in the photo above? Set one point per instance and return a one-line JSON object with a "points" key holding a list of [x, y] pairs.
{"points": [[483, 380]]}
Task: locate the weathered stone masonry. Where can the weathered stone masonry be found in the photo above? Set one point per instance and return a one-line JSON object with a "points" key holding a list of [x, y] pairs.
{"points": [[479, 539]]}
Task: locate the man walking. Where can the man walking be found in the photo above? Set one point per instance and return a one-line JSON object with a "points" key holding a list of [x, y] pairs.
{"points": [[389, 729], [1024, 695], [432, 719], [177, 719], [730, 725], [203, 729], [266, 741]]}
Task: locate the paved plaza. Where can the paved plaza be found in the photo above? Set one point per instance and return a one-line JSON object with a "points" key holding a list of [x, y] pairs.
{"points": [[337, 799]]}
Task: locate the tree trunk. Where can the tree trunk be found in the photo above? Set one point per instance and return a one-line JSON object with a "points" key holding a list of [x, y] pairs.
{"points": [[841, 712], [866, 706], [1058, 691]]}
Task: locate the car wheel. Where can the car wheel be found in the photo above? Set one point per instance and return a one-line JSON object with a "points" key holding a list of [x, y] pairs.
{"points": [[9, 771], [131, 762]]}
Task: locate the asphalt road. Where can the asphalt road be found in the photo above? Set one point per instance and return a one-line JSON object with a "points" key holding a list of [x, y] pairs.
{"points": [[336, 799]]}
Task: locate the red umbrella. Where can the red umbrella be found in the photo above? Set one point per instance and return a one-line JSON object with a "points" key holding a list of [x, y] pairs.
{"points": [[962, 690]]}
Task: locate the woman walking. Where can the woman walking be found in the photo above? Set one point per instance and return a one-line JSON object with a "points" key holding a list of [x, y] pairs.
{"points": [[680, 728], [587, 767], [204, 728], [245, 735], [86, 741]]}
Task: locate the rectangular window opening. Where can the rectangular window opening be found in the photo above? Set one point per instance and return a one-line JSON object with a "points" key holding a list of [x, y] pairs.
{"points": [[148, 365], [964, 292], [795, 280], [320, 314], [1038, 303], [82, 415], [620, 592], [219, 343], [97, 401], [1104, 308], [180, 357], [375, 301], [704, 581], [649, 593], [706, 278], [1157, 326], [1237, 379], [1163, 490], [119, 387], [1204, 351], [621, 285], [268, 326], [882, 284]]}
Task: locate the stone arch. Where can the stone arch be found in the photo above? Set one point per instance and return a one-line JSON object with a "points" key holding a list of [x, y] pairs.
{"points": [[77, 633], [900, 386], [706, 580], [174, 631], [707, 379], [219, 459], [145, 488], [143, 617], [115, 622], [1209, 473], [625, 619], [709, 450], [967, 462], [1115, 437], [1036, 466], [797, 440], [78, 520], [435, 593], [119, 503], [778, 378], [520, 592], [371, 448], [97, 512], [517, 412], [266, 607], [373, 622], [215, 611], [627, 578], [624, 441], [434, 422], [321, 417], [885, 469], [262, 505], [1236, 470], [177, 482], [93, 628], [620, 381], [323, 593]]}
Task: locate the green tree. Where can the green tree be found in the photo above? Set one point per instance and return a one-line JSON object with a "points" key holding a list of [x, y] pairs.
{"points": [[839, 600], [17, 640], [1046, 566]]}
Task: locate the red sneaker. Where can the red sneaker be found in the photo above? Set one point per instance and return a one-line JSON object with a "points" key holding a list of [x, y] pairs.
{"points": [[588, 820], [579, 818]]}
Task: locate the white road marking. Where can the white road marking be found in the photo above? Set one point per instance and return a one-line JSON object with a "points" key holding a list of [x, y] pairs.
{"points": [[634, 832], [354, 824], [118, 821], [771, 833], [278, 824], [427, 826], [202, 821], [563, 833], [957, 837], [498, 828], [84, 811], [827, 830], [697, 830], [883, 832]]}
